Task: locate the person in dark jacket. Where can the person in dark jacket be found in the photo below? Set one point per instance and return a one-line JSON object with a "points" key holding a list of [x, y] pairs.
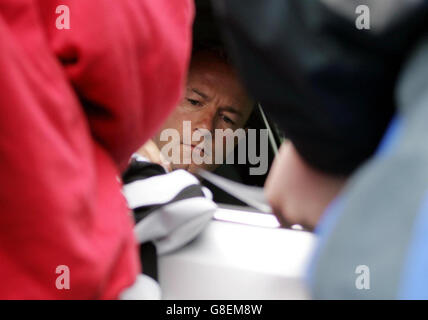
{"points": [[352, 103]]}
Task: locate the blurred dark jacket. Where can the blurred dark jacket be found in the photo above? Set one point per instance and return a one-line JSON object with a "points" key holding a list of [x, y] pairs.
{"points": [[329, 85], [334, 90]]}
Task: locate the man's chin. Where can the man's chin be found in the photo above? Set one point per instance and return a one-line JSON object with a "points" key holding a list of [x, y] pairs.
{"points": [[192, 168], [180, 166]]}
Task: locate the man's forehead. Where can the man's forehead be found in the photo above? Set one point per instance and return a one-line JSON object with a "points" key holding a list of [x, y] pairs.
{"points": [[212, 81], [212, 71]]}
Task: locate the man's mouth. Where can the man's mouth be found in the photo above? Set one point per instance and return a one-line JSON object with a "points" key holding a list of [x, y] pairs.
{"points": [[192, 146], [195, 147]]}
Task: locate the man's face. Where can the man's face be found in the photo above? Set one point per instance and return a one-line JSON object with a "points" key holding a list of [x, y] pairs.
{"points": [[213, 99]]}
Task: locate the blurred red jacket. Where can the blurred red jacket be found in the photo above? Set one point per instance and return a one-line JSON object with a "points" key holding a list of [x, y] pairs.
{"points": [[74, 104]]}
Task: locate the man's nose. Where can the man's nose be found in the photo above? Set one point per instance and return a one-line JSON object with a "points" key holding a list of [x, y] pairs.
{"points": [[205, 121]]}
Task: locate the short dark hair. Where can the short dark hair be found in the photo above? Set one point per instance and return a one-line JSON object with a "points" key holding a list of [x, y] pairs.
{"points": [[218, 50]]}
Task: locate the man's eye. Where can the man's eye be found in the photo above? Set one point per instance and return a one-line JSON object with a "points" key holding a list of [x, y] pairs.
{"points": [[194, 102], [228, 120]]}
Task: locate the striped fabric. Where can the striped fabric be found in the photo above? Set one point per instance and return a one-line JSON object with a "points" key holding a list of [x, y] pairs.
{"points": [[170, 209]]}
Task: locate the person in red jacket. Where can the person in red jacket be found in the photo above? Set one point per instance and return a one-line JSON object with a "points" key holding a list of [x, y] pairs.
{"points": [[74, 104]]}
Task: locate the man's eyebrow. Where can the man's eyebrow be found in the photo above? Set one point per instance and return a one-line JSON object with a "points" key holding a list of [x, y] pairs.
{"points": [[226, 108], [203, 95]]}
